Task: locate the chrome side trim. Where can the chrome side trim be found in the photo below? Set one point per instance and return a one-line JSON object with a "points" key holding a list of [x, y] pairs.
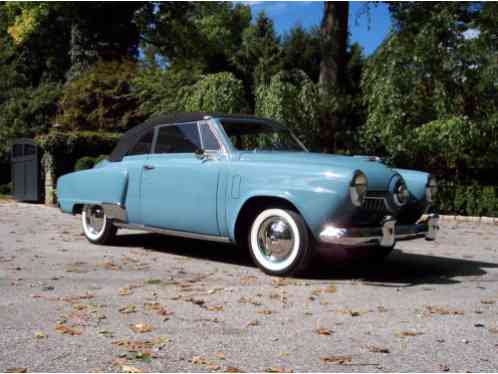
{"points": [[115, 211], [385, 235], [182, 234]]}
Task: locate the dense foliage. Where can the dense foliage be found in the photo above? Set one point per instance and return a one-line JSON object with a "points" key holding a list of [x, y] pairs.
{"points": [[426, 98]]}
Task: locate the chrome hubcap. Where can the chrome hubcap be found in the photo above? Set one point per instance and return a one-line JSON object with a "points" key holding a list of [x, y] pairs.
{"points": [[275, 239], [94, 218]]}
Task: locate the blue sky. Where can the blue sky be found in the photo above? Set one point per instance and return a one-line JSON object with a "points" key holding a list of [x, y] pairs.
{"points": [[368, 33]]}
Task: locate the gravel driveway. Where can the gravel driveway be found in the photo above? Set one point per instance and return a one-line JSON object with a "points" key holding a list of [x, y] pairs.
{"points": [[153, 303]]}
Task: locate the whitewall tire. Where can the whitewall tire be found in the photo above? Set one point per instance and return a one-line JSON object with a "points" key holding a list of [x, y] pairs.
{"points": [[279, 242], [97, 227]]}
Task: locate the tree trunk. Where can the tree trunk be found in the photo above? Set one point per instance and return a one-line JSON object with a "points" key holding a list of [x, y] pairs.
{"points": [[334, 34]]}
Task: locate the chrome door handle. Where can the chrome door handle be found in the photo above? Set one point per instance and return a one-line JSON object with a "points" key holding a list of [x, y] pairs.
{"points": [[148, 167]]}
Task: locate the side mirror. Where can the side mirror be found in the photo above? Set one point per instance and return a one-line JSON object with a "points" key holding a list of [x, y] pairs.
{"points": [[200, 153]]}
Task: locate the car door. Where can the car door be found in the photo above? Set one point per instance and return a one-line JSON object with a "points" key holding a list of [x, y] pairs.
{"points": [[179, 188]]}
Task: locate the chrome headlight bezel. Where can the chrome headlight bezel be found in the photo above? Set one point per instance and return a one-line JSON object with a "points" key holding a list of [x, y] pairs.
{"points": [[401, 195], [431, 188], [358, 188]]}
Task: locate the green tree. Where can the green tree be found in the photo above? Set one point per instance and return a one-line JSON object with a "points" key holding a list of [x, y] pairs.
{"points": [[301, 50], [220, 92], [293, 99], [429, 69], [100, 99]]}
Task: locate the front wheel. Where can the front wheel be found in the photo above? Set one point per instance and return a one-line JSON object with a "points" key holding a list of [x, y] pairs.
{"points": [[279, 242], [97, 227]]}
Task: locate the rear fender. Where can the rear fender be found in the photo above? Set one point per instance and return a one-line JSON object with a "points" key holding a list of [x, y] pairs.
{"points": [[94, 186]]}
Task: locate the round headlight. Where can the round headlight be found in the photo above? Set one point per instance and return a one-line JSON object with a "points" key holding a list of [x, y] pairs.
{"points": [[431, 189], [401, 193], [358, 188]]}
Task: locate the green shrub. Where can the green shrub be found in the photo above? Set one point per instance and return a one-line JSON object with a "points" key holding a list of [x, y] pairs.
{"points": [[84, 163], [468, 200], [100, 158], [6, 189]]}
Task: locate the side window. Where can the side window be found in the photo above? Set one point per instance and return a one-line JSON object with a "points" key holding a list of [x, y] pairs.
{"points": [[178, 139], [209, 141], [143, 146]]}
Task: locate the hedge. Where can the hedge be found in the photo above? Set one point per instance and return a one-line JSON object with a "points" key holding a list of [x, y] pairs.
{"points": [[467, 200]]}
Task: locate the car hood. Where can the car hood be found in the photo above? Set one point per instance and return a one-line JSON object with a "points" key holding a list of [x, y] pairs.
{"points": [[378, 174]]}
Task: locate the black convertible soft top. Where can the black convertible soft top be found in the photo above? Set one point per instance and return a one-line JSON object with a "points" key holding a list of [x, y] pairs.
{"points": [[131, 137]]}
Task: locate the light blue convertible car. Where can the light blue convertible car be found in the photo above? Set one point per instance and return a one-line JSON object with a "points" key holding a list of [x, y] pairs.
{"points": [[248, 181]]}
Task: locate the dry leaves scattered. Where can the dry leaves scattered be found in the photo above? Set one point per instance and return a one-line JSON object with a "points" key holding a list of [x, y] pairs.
{"points": [[339, 360], [323, 331], [376, 349], [443, 311], [487, 302], [403, 334], [66, 330], [141, 328], [40, 335], [278, 370], [130, 369], [130, 308]]}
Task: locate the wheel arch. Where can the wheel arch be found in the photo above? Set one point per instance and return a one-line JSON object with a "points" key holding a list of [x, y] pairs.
{"points": [[251, 207]]}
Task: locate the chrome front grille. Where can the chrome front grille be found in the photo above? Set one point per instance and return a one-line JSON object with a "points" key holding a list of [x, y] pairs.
{"points": [[375, 201]]}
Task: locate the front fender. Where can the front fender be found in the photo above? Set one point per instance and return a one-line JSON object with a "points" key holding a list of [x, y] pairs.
{"points": [[319, 194], [416, 181], [93, 186]]}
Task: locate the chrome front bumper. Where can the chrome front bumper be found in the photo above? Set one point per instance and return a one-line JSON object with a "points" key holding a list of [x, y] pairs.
{"points": [[385, 235]]}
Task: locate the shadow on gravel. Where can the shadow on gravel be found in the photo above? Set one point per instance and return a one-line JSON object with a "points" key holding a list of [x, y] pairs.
{"points": [[398, 270]]}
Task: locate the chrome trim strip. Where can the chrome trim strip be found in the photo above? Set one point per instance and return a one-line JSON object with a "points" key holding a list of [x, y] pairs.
{"points": [[385, 235], [182, 234]]}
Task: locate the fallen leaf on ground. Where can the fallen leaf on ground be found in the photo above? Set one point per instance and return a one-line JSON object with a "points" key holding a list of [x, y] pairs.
{"points": [[253, 323], [141, 328], [214, 290], [199, 360], [330, 289], [408, 333], [278, 370], [323, 331], [493, 330], [198, 302], [231, 369], [215, 308], [124, 291], [265, 312], [16, 370], [128, 309], [141, 345], [375, 349], [40, 335], [66, 330], [340, 360], [381, 309], [248, 300], [487, 302], [153, 281], [443, 311], [130, 369], [106, 333], [220, 355]]}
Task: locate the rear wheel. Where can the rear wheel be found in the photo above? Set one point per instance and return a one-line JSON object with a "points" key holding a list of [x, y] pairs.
{"points": [[279, 242], [97, 227]]}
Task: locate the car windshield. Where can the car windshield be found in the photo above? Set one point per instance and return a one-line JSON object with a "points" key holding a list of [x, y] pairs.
{"points": [[259, 136]]}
